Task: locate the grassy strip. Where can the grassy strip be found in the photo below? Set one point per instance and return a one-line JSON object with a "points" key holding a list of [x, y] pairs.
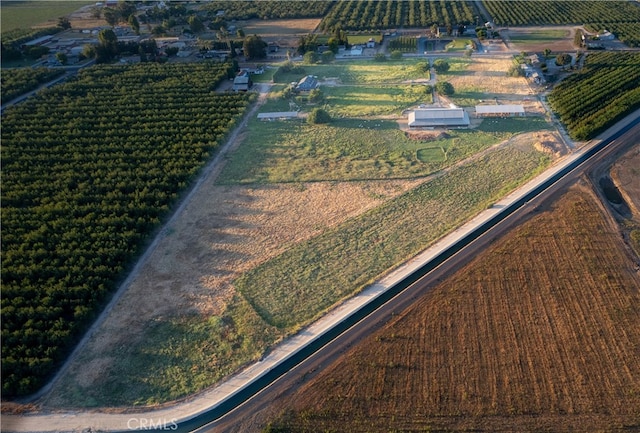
{"points": [[363, 72], [357, 101], [299, 285]]}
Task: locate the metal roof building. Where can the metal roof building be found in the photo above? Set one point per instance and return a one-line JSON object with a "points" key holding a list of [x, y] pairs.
{"points": [[439, 116], [499, 110]]}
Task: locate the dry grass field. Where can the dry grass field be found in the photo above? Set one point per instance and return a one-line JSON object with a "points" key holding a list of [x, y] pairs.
{"points": [[540, 333]]}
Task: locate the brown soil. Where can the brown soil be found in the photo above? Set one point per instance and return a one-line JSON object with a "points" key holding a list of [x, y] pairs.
{"points": [[626, 176], [539, 333]]}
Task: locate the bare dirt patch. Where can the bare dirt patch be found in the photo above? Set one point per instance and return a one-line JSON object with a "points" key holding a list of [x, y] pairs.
{"points": [[222, 232], [489, 75]]}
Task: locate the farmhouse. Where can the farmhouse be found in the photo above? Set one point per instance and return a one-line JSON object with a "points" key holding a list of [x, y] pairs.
{"points": [[242, 82], [499, 110], [307, 84], [438, 116]]}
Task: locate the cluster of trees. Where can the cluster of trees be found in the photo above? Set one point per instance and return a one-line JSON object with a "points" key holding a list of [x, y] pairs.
{"points": [[12, 42], [18, 81], [89, 169], [605, 90], [388, 14], [268, 9], [510, 13]]}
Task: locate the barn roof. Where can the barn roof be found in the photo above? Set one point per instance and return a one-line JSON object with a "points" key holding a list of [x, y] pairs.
{"points": [[499, 109]]}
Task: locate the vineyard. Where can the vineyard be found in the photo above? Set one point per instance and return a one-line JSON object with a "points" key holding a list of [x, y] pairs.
{"points": [[539, 333], [89, 169], [404, 44], [16, 82], [604, 91], [391, 14]]}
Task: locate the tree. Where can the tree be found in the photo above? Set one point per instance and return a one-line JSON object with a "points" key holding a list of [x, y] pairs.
{"points": [[63, 23], [318, 116], [240, 33], [563, 59], [108, 41], [396, 55], [327, 57], [315, 96], [310, 57], [111, 16], [195, 24], [547, 52], [445, 88], [441, 66], [254, 47], [135, 25], [62, 58]]}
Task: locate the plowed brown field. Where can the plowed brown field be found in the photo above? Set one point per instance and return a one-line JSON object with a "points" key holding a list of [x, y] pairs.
{"points": [[540, 333]]}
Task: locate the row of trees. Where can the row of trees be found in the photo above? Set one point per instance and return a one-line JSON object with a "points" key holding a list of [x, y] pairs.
{"points": [[268, 9], [388, 14], [526, 13], [89, 169], [603, 91], [16, 82]]}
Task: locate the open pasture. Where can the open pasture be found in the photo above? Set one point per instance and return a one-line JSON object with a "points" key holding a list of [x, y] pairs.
{"points": [[27, 14]]}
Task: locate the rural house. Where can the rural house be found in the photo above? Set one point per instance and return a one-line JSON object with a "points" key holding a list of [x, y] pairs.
{"points": [[307, 84]]}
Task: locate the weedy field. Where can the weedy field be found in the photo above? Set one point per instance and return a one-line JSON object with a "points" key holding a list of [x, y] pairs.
{"points": [[538, 333], [287, 193]]}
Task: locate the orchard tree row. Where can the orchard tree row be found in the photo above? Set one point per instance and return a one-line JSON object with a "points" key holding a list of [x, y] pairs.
{"points": [[269, 9], [604, 91], [18, 81], [89, 169], [531, 13], [390, 14]]}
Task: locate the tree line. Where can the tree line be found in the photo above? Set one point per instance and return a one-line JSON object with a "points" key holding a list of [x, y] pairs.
{"points": [[605, 90], [90, 168]]}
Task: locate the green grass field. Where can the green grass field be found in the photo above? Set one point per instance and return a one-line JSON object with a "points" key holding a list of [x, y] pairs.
{"points": [[27, 14], [537, 36]]}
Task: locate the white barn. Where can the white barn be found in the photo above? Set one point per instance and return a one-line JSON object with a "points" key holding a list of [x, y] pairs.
{"points": [[438, 116], [506, 110]]}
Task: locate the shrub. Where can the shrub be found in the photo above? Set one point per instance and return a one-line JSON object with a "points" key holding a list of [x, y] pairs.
{"points": [[317, 116], [445, 88]]}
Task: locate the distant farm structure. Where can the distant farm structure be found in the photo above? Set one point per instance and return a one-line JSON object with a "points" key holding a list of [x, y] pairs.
{"points": [[438, 116]]}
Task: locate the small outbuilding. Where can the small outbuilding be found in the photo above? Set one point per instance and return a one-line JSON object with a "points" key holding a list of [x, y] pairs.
{"points": [[438, 116], [242, 82]]}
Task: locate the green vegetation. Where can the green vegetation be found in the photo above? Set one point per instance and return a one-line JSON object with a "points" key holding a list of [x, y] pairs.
{"points": [[357, 101], [26, 14], [16, 82], [346, 149], [300, 284], [604, 91], [89, 169], [392, 14], [619, 17], [538, 36], [268, 10], [532, 13], [404, 44]]}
